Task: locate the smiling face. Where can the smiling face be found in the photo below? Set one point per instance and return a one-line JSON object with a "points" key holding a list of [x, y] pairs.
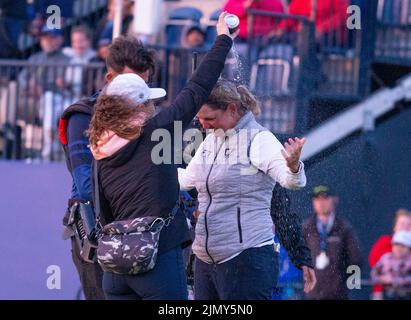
{"points": [[218, 119]]}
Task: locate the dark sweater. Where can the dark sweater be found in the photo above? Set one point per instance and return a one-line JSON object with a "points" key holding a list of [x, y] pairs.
{"points": [[343, 250], [131, 184], [288, 228]]}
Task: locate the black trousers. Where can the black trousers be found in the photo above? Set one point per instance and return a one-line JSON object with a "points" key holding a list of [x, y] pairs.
{"points": [[91, 275]]}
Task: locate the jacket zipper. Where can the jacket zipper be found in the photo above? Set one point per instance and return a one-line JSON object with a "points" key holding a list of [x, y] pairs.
{"points": [[211, 200], [240, 232]]}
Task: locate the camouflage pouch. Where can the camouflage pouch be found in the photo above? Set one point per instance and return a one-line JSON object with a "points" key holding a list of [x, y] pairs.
{"points": [[130, 246]]}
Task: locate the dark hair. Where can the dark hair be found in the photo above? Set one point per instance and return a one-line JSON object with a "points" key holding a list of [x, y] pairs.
{"points": [[195, 29], [84, 30], [120, 115], [226, 92], [127, 51]]}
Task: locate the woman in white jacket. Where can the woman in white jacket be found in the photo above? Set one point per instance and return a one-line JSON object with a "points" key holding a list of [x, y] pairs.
{"points": [[234, 171]]}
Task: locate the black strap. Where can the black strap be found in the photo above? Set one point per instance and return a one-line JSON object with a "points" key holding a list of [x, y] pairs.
{"points": [[97, 209], [172, 214]]}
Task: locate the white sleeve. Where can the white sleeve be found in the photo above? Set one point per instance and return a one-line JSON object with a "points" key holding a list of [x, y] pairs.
{"points": [[265, 154], [187, 176]]}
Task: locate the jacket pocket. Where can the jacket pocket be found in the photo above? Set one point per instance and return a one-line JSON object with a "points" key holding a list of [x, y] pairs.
{"points": [[240, 232]]}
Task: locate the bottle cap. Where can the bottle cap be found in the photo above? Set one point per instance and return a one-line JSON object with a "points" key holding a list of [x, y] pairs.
{"points": [[232, 22]]}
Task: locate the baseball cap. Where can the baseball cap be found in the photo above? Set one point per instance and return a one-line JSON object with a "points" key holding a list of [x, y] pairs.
{"points": [[104, 42], [402, 237], [322, 190], [53, 31], [132, 86]]}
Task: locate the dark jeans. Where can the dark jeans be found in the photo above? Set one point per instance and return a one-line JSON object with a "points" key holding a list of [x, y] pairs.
{"points": [[252, 275], [167, 281], [91, 275]]}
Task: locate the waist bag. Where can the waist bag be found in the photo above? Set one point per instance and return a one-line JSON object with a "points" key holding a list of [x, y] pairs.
{"points": [[131, 246]]}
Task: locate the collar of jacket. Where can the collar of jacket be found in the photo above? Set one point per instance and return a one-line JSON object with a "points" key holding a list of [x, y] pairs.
{"points": [[244, 121]]}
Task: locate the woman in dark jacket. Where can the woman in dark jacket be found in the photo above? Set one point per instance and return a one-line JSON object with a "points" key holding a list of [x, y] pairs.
{"points": [[133, 183]]}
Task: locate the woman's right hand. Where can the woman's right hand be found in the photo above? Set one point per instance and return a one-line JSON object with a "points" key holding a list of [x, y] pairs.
{"points": [[222, 27]]}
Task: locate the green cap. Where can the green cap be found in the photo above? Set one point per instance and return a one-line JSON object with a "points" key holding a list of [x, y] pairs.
{"points": [[322, 190]]}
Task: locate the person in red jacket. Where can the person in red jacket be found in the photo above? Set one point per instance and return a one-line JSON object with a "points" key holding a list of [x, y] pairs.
{"points": [[262, 25], [330, 17], [402, 222]]}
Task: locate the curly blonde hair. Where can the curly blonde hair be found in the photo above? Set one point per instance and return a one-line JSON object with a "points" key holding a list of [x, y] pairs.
{"points": [[120, 115]]}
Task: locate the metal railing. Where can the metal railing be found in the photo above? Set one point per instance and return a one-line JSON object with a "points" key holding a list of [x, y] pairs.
{"points": [[281, 61], [32, 97], [336, 50], [393, 32]]}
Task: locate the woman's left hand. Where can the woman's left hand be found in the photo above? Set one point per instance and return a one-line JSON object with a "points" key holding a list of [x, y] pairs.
{"points": [[309, 279], [292, 153]]}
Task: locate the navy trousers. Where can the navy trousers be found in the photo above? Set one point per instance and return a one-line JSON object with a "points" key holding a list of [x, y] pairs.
{"points": [[252, 275], [167, 281]]}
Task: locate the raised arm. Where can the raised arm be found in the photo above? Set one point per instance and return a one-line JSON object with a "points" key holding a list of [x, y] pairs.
{"points": [[199, 87]]}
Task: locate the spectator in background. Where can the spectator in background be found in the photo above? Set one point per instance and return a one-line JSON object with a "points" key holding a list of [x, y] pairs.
{"points": [[333, 246], [402, 222], [45, 79], [180, 61], [104, 27], [330, 18], [80, 53], [13, 17], [393, 270], [80, 50], [94, 76], [194, 38], [45, 83], [103, 50]]}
